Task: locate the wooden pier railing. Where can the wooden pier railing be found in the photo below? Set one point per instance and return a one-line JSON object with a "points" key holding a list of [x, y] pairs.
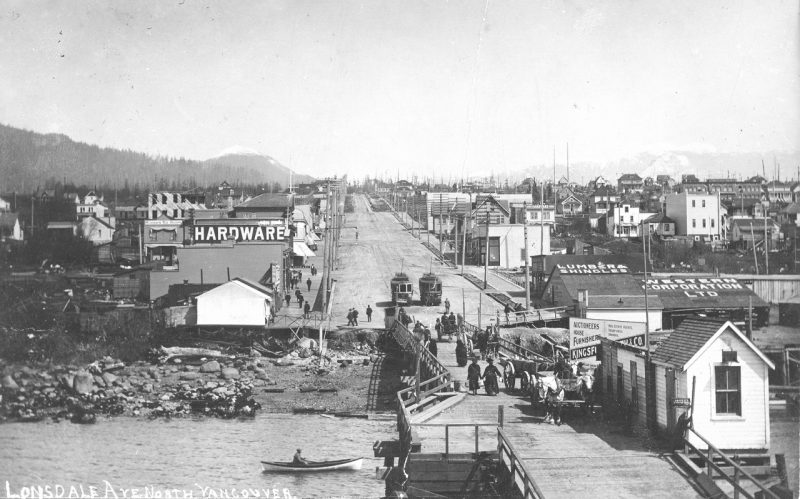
{"points": [[519, 476], [413, 399], [520, 351], [739, 473]]}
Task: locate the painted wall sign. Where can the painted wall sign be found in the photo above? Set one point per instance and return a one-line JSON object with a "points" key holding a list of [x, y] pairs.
{"points": [[681, 402], [239, 233], [593, 268], [585, 335], [695, 287]]}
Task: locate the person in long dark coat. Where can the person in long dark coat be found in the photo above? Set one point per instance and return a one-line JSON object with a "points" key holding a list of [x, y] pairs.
{"points": [[461, 351], [473, 375], [490, 375]]}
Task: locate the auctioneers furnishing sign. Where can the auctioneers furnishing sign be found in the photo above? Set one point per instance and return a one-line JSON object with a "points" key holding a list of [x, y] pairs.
{"points": [[585, 335]]}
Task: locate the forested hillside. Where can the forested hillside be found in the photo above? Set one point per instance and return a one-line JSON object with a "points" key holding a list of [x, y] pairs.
{"points": [[30, 160]]}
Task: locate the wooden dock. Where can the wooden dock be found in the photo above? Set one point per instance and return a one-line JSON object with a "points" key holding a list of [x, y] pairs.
{"points": [[583, 457]]}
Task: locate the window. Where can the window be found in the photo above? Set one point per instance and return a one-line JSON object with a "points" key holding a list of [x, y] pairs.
{"points": [[704, 223], [692, 203], [152, 235], [712, 223], [667, 227], [704, 203], [626, 209], [728, 389], [631, 217], [694, 223]]}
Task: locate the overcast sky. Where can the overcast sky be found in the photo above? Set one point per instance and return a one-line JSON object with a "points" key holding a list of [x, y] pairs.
{"points": [[425, 86]]}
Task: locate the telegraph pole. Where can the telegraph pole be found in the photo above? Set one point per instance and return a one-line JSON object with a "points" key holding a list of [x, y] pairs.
{"points": [[464, 245], [527, 258], [486, 262], [646, 308]]}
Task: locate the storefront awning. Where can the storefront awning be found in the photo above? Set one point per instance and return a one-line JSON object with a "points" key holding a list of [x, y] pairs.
{"points": [[301, 249]]}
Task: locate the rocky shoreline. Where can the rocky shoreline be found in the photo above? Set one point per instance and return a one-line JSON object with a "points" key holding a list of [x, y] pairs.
{"points": [[224, 388]]}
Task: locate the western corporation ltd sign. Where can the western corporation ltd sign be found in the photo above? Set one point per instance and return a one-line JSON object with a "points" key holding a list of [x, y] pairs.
{"points": [[239, 233], [695, 287]]}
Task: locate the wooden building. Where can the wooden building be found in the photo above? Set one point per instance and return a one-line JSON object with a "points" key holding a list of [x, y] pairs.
{"points": [[239, 302], [730, 376]]}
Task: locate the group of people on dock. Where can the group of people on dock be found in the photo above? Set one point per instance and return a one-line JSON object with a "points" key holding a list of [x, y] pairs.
{"points": [[490, 376], [352, 316]]}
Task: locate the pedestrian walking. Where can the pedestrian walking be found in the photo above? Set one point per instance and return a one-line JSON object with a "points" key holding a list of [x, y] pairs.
{"points": [[369, 313], [288, 298], [300, 276], [297, 293], [350, 317], [300, 300], [308, 283], [507, 310], [438, 328], [313, 270], [447, 305], [306, 310], [355, 317]]}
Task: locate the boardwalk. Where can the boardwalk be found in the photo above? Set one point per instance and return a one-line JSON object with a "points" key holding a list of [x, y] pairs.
{"points": [[580, 458]]}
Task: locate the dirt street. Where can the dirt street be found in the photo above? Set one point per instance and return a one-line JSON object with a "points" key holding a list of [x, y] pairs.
{"points": [[366, 265]]}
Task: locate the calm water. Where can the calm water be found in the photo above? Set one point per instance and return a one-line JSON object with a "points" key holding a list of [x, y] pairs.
{"points": [[206, 457]]}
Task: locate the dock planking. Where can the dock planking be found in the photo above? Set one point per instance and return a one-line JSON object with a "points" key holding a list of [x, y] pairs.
{"points": [[581, 458]]}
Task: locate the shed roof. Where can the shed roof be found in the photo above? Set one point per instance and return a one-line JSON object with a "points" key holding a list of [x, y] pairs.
{"points": [[693, 336], [267, 200]]}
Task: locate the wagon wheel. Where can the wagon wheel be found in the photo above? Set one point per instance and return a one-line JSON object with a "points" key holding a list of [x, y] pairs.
{"points": [[525, 382]]}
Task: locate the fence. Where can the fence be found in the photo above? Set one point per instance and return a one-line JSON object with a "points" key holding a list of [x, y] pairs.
{"points": [[519, 476], [738, 472]]}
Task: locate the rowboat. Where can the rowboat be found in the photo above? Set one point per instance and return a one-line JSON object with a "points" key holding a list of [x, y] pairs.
{"points": [[291, 467]]}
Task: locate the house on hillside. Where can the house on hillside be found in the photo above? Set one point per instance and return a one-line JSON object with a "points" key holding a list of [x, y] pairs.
{"points": [[10, 228], [570, 205], [730, 376], [602, 200], [629, 182], [96, 230], [660, 225], [4, 205]]}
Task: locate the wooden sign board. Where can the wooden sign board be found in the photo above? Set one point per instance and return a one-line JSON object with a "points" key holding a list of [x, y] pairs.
{"points": [[682, 402]]}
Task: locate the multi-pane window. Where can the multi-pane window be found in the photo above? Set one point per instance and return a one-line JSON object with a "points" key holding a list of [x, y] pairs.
{"points": [[704, 223], [704, 203], [694, 223], [692, 203], [728, 390]]}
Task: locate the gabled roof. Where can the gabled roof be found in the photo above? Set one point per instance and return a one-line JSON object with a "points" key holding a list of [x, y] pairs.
{"points": [[630, 176], [604, 190], [8, 219], [659, 218], [248, 285], [693, 336], [791, 209], [502, 204]]}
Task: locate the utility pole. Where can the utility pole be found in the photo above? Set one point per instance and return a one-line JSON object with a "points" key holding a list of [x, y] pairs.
{"points": [[527, 259], [440, 224], [464, 245], [766, 246], [646, 308], [486, 262], [455, 244], [325, 251]]}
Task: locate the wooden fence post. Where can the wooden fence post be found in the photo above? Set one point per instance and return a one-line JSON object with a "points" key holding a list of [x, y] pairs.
{"points": [[500, 416]]}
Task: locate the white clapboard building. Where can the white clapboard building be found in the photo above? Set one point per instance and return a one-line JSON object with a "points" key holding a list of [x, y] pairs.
{"points": [[238, 302], [731, 394]]}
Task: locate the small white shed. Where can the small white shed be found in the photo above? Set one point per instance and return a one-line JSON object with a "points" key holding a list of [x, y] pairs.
{"points": [[731, 400], [239, 302]]}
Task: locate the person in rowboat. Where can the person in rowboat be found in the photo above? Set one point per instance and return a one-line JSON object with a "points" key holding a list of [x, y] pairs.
{"points": [[299, 459]]}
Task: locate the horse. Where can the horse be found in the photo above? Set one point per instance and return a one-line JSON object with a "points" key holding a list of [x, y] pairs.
{"points": [[585, 385], [551, 392]]}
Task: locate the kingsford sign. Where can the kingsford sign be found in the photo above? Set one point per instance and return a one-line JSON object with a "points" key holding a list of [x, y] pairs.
{"points": [[593, 268], [585, 335], [239, 233]]}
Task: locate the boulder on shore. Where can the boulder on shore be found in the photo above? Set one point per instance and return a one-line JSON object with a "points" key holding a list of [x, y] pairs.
{"points": [[83, 382], [190, 376], [210, 367], [230, 373], [8, 382]]}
